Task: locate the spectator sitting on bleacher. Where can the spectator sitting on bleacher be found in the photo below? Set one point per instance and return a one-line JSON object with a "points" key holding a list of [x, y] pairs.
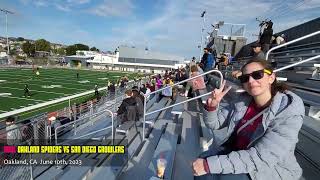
{"points": [[13, 132], [200, 70], [123, 113], [139, 101], [111, 88], [168, 91], [280, 39], [153, 82], [197, 83], [145, 90], [263, 126], [151, 86], [258, 53], [181, 75], [159, 82]]}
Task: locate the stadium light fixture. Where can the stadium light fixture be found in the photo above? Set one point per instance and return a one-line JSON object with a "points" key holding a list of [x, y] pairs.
{"points": [[6, 13]]}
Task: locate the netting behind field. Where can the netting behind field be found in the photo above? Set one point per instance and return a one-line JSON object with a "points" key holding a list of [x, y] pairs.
{"points": [[232, 30]]}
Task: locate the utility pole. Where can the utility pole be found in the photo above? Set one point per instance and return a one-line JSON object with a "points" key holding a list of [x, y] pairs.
{"points": [[202, 30], [6, 13]]}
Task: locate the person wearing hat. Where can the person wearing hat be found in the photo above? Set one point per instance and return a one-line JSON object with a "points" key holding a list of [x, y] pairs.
{"points": [[139, 101], [258, 53]]}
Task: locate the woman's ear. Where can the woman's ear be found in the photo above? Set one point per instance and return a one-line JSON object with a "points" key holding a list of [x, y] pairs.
{"points": [[272, 78]]}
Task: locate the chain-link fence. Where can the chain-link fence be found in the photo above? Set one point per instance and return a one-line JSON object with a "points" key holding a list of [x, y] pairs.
{"points": [[40, 130], [30, 132]]}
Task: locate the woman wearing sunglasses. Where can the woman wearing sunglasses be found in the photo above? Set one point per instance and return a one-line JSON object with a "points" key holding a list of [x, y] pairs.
{"points": [[263, 126]]}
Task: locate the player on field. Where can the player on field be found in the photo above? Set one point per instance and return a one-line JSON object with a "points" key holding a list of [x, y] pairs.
{"points": [[96, 92], [26, 91]]}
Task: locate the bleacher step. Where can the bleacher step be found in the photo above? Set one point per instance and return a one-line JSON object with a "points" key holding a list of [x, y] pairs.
{"points": [[166, 148], [52, 173], [138, 164]]}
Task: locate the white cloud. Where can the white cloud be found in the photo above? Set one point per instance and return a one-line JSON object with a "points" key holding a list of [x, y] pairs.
{"points": [[177, 28], [63, 8], [113, 8], [25, 2], [78, 1], [175, 25], [41, 3]]}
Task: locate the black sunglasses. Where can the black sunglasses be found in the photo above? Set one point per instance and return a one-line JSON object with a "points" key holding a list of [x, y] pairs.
{"points": [[255, 75]]}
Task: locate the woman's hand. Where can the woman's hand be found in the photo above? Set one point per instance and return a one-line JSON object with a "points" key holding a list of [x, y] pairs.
{"points": [[236, 74], [217, 95], [198, 167]]}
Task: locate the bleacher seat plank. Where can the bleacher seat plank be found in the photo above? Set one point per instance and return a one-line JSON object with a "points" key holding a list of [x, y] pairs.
{"points": [[51, 172], [166, 147], [78, 172], [179, 108], [161, 104]]}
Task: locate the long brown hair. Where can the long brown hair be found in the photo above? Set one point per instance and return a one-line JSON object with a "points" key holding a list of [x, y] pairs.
{"points": [[275, 86]]}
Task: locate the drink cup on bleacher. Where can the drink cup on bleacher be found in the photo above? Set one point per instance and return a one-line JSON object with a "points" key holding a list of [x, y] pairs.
{"points": [[161, 166]]}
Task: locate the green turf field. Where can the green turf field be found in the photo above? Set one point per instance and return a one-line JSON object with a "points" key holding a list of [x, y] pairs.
{"points": [[49, 85]]}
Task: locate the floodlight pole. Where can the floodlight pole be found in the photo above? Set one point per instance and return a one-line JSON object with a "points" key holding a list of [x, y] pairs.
{"points": [[203, 15], [8, 47], [6, 13]]}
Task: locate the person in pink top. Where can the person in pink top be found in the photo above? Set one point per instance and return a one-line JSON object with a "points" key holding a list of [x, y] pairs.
{"points": [[197, 83]]}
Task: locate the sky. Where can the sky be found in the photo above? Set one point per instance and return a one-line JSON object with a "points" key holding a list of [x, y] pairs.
{"points": [[168, 26]]}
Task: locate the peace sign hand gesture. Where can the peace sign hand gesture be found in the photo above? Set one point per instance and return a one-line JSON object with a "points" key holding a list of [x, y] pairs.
{"points": [[217, 95]]}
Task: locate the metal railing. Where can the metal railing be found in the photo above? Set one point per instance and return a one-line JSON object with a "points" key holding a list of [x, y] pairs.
{"points": [[73, 123], [159, 90], [44, 104], [291, 42], [297, 63]]}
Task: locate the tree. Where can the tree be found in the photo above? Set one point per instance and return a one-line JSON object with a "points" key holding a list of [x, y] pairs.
{"points": [[93, 49], [72, 49], [43, 45], [82, 47], [28, 48], [61, 51], [20, 39]]}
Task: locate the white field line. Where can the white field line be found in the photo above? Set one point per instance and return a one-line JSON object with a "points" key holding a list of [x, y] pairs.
{"points": [[38, 91], [3, 111], [28, 99], [57, 76], [92, 78], [28, 112], [55, 82], [41, 85]]}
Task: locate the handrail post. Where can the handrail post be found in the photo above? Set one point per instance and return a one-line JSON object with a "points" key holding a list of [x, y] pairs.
{"points": [[291, 42], [112, 124], [144, 116]]}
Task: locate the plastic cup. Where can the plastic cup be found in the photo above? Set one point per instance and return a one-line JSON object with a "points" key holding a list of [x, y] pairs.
{"points": [[161, 166]]}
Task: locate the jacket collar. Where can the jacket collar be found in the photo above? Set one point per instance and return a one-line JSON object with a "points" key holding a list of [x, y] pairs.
{"points": [[282, 105]]}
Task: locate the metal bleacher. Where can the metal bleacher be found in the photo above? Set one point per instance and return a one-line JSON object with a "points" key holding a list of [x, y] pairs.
{"points": [[174, 129]]}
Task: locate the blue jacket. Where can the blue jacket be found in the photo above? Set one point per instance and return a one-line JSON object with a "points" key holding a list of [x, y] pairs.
{"points": [[210, 62], [270, 153]]}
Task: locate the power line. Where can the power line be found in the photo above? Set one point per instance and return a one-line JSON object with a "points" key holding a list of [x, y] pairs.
{"points": [[279, 6], [288, 10]]}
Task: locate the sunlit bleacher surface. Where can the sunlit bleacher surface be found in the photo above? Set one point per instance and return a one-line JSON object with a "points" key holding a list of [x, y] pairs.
{"points": [[178, 133]]}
